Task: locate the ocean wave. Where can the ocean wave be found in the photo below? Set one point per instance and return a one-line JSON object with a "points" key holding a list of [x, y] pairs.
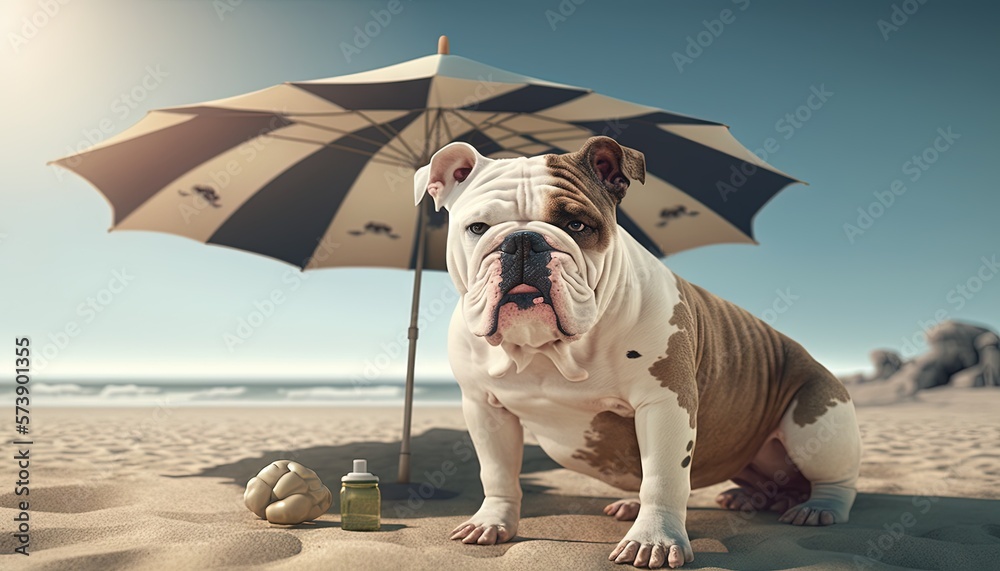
{"points": [[189, 394], [61, 389], [339, 393], [219, 393], [119, 391]]}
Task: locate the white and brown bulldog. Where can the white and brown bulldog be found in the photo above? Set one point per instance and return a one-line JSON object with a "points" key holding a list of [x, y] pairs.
{"points": [[621, 370]]}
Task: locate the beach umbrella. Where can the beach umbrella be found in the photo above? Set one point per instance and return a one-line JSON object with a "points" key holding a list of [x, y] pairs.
{"points": [[319, 173]]}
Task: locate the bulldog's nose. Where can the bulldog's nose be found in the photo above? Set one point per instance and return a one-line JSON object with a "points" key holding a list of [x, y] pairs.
{"points": [[524, 243]]}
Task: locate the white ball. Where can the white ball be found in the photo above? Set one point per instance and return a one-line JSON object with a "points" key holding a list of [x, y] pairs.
{"points": [[287, 493]]}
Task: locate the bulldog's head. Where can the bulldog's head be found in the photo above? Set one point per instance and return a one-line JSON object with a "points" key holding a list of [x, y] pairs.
{"points": [[529, 239]]}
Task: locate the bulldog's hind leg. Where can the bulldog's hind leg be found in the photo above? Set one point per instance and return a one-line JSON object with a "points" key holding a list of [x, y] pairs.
{"points": [[820, 433], [769, 482], [623, 510]]}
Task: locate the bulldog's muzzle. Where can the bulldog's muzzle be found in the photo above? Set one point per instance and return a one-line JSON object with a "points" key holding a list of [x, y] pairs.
{"points": [[525, 275]]}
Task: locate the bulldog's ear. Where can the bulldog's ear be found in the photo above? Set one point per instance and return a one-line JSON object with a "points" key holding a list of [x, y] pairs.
{"points": [[612, 164], [448, 168]]}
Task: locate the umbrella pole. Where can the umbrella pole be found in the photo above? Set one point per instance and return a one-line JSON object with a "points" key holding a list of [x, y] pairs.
{"points": [[404, 450]]}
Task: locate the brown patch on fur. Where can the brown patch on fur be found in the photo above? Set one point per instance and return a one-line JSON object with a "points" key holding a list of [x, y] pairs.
{"points": [[612, 446], [747, 376], [578, 196], [820, 391], [581, 195], [676, 371]]}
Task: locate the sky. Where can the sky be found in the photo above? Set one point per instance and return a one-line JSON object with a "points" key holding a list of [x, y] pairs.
{"points": [[862, 99]]}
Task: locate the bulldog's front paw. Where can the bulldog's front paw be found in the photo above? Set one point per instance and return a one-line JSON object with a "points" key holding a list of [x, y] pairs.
{"points": [[495, 522], [653, 541]]}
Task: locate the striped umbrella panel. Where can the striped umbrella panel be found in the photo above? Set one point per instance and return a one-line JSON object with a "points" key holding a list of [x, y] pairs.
{"points": [[319, 173]]}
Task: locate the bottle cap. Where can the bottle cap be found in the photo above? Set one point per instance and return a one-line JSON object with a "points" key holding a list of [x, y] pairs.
{"points": [[360, 473]]}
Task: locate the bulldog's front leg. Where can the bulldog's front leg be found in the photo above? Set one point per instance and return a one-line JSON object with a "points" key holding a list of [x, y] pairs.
{"points": [[666, 442], [499, 441]]}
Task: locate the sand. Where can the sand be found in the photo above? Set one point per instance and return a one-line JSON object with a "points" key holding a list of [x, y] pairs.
{"points": [[162, 489]]}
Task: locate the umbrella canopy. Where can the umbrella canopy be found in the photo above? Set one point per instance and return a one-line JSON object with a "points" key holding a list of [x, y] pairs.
{"points": [[319, 173]]}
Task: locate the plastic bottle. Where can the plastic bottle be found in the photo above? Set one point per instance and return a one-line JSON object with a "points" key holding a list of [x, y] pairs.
{"points": [[360, 499]]}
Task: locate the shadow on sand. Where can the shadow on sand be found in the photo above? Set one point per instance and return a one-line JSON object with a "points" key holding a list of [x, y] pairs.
{"points": [[885, 531], [443, 467]]}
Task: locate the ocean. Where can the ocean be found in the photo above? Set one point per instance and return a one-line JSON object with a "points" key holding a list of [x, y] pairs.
{"points": [[189, 393]]}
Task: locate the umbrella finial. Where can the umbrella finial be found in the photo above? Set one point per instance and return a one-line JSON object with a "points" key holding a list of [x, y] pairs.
{"points": [[443, 45]]}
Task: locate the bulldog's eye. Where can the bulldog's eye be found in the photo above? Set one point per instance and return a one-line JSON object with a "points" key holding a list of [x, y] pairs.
{"points": [[479, 228], [576, 226]]}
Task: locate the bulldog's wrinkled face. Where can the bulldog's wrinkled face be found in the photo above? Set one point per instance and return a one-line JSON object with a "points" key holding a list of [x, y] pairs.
{"points": [[529, 238]]}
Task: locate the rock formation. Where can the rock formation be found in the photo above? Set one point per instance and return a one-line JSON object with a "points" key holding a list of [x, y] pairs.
{"points": [[959, 354]]}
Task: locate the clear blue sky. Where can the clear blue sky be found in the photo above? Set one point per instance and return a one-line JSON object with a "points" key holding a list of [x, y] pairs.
{"points": [[937, 70]]}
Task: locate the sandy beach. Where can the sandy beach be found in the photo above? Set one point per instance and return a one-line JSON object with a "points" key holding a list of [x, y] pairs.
{"points": [[162, 488]]}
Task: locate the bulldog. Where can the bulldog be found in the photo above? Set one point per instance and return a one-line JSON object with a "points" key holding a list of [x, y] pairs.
{"points": [[623, 371]]}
